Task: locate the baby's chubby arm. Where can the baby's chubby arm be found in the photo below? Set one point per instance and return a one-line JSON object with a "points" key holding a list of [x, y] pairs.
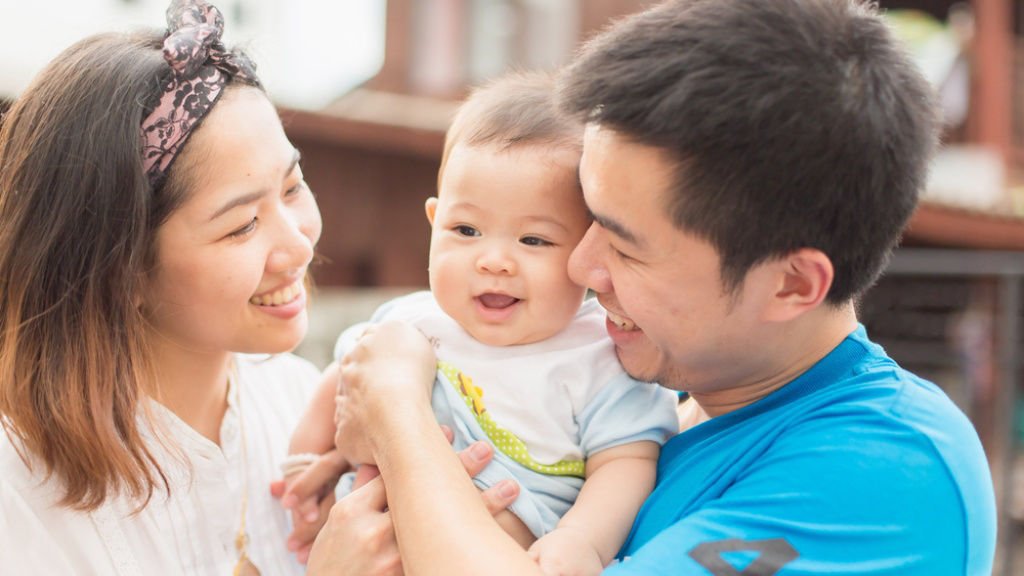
{"points": [[314, 433], [312, 467], [588, 536]]}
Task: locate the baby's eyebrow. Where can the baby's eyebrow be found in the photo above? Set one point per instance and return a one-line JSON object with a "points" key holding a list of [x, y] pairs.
{"points": [[547, 220]]}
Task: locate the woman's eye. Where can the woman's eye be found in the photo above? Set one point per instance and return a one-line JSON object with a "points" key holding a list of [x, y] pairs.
{"points": [[244, 229], [534, 241], [464, 230], [295, 189]]}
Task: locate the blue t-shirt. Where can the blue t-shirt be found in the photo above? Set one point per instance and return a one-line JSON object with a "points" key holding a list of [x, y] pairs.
{"points": [[855, 467]]}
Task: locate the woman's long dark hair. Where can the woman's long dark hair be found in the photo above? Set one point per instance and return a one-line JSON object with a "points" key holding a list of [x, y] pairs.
{"points": [[77, 227]]}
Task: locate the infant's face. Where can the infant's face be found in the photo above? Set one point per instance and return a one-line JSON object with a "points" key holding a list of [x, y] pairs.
{"points": [[504, 225]]}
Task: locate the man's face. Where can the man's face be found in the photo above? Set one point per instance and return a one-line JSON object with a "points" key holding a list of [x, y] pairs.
{"points": [[668, 314]]}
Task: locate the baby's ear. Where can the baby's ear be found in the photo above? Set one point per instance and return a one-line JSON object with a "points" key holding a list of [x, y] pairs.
{"points": [[430, 207]]}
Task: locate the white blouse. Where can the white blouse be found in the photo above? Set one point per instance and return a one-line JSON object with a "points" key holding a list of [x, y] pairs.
{"points": [[193, 531]]}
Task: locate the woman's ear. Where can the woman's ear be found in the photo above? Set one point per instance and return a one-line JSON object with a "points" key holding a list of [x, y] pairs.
{"points": [[141, 287], [430, 206], [803, 281]]}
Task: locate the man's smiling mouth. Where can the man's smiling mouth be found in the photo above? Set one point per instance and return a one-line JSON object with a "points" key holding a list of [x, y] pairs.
{"points": [[624, 324]]}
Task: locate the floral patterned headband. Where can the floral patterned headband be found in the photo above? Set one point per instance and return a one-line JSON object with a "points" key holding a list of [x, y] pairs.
{"points": [[200, 69]]}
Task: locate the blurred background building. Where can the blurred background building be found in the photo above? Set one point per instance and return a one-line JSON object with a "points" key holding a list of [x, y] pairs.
{"points": [[366, 89]]}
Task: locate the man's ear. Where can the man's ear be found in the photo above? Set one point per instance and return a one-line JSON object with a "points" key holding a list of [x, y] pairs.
{"points": [[430, 206], [803, 280]]}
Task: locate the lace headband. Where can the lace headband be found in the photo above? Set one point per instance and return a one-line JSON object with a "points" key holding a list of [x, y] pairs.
{"points": [[200, 69]]}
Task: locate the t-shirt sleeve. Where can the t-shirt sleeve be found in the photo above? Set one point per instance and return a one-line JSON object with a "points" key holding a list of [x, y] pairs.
{"points": [[625, 410], [347, 340]]}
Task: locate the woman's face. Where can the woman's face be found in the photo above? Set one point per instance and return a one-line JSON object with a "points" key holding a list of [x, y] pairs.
{"points": [[231, 260]]}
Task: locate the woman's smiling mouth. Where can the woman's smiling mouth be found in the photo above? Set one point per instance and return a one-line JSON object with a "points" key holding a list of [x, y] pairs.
{"points": [[281, 296]]}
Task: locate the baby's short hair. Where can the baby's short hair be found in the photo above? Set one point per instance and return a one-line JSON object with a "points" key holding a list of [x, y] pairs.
{"points": [[515, 109]]}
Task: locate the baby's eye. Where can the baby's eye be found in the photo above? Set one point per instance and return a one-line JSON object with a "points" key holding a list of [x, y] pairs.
{"points": [[464, 230], [534, 241]]}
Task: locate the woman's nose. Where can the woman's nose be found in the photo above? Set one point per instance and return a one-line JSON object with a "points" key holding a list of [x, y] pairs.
{"points": [[298, 233]]}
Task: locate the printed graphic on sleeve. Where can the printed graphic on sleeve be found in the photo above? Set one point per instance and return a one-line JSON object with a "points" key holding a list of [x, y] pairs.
{"points": [[502, 439], [770, 556]]}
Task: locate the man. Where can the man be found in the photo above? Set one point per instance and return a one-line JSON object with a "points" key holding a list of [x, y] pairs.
{"points": [[749, 166]]}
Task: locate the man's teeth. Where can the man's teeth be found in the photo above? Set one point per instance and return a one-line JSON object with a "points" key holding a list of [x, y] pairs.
{"points": [[282, 296], [623, 323]]}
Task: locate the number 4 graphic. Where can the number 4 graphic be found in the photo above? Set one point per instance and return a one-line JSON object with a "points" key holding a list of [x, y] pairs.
{"points": [[774, 554]]}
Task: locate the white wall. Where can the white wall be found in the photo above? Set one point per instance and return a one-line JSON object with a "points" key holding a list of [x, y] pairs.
{"points": [[308, 52]]}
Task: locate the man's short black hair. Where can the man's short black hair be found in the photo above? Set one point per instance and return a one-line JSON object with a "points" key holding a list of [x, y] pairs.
{"points": [[794, 123]]}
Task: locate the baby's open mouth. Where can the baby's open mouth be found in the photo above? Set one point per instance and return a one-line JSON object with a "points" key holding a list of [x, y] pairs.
{"points": [[497, 301]]}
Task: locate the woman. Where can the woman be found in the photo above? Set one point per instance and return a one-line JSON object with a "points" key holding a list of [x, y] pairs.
{"points": [[155, 231]]}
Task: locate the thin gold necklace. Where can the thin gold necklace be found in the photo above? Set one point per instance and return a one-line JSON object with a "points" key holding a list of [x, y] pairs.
{"points": [[243, 566]]}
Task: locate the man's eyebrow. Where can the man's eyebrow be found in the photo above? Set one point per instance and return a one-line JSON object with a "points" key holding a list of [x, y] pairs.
{"points": [[253, 196], [616, 228]]}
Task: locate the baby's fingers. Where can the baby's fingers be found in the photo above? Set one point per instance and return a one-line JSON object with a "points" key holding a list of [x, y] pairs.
{"points": [[307, 488]]}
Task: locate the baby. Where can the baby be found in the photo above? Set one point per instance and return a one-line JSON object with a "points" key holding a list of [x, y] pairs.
{"points": [[523, 359]]}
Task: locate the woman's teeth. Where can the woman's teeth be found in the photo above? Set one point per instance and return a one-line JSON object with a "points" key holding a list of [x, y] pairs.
{"points": [[623, 323], [282, 296]]}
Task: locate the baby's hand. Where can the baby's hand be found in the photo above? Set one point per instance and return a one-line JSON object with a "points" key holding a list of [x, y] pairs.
{"points": [[308, 492], [565, 551]]}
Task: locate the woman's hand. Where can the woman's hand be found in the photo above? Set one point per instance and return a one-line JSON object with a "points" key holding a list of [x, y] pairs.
{"points": [[393, 363], [359, 538]]}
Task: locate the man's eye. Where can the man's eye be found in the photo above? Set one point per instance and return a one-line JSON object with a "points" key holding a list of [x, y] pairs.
{"points": [[535, 241], [464, 230]]}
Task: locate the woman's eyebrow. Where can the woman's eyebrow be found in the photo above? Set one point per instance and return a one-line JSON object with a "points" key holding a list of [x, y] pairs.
{"points": [[254, 196], [236, 202]]}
